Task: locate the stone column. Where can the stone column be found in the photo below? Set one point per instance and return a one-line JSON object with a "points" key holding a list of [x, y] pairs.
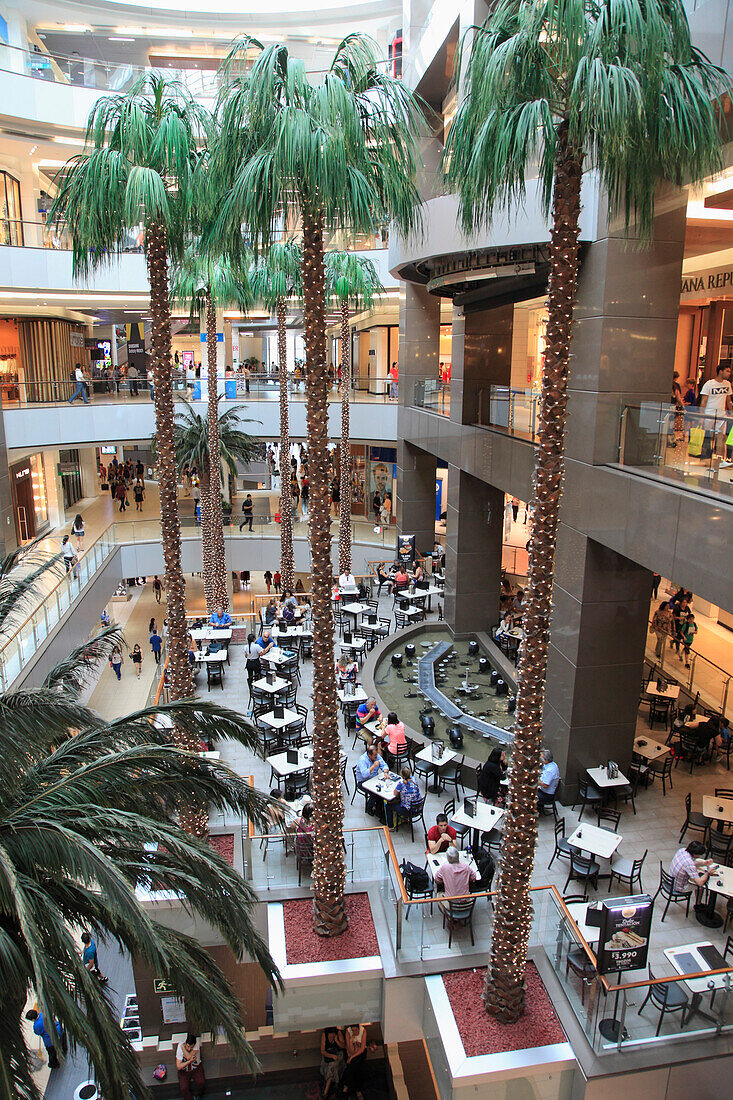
{"points": [[472, 553], [481, 358], [416, 495], [594, 668]]}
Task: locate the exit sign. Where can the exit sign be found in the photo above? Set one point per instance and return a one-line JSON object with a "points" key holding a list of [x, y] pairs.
{"points": [[162, 985]]}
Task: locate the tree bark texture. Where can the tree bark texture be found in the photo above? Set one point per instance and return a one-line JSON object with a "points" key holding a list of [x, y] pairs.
{"points": [[504, 991], [206, 539], [329, 871], [181, 682], [345, 486], [218, 590], [287, 566]]}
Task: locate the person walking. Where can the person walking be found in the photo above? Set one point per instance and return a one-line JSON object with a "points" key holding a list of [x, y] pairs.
{"points": [[132, 377], [157, 588], [77, 530], [89, 957], [81, 387], [138, 494], [304, 493], [121, 494], [268, 580], [688, 630], [156, 644], [247, 379], [68, 552], [39, 1029], [137, 659], [247, 512], [277, 580], [116, 662], [661, 626], [656, 581]]}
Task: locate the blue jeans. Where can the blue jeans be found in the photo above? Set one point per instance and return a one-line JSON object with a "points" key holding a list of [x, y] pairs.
{"points": [[80, 391]]}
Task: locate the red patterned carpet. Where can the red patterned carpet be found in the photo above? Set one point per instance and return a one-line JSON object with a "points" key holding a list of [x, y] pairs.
{"points": [[302, 945], [224, 844], [482, 1034]]}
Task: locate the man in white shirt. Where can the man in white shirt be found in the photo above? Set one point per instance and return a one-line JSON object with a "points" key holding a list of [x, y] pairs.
{"points": [[190, 1070], [715, 399], [81, 386], [346, 580]]}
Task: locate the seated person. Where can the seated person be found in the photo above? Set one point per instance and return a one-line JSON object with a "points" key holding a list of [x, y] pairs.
{"points": [[704, 727], [383, 577], [505, 625], [333, 1057], [549, 779], [367, 712], [220, 617], [266, 642], [401, 580], [454, 877], [304, 834], [346, 671], [395, 737], [369, 765], [441, 836], [689, 868], [491, 775], [192, 652], [409, 795], [288, 614], [346, 580], [270, 613], [419, 573], [104, 617]]}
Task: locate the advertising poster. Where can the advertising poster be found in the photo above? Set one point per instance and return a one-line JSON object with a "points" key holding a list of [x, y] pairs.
{"points": [[406, 550], [623, 943]]}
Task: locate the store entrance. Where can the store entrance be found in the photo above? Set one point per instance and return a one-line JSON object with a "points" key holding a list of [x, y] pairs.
{"points": [[25, 513]]}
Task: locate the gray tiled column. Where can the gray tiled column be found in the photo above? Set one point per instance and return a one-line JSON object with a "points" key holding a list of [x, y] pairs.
{"points": [[481, 358], [472, 553], [594, 668], [416, 495]]}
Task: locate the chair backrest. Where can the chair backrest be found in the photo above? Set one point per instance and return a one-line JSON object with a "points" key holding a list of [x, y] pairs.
{"points": [[416, 809], [461, 910], [559, 828], [688, 803], [728, 947], [719, 843], [639, 863], [582, 786], [723, 792], [666, 881], [579, 863], [301, 710], [611, 817], [450, 807]]}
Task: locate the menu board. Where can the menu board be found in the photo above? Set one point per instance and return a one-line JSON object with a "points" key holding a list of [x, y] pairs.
{"points": [[623, 942], [406, 550]]}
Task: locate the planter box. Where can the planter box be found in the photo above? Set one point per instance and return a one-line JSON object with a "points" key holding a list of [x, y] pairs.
{"points": [[546, 1071], [318, 993]]}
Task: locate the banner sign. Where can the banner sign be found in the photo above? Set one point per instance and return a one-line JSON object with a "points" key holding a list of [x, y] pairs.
{"points": [[406, 550], [623, 943]]}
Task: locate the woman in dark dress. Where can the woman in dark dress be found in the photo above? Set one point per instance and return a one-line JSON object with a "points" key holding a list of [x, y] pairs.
{"points": [[491, 775]]}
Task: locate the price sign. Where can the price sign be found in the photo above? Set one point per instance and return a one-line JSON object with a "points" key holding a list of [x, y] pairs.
{"points": [[623, 943]]}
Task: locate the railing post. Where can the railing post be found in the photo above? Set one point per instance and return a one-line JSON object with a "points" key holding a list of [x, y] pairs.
{"points": [[622, 1021], [398, 930]]}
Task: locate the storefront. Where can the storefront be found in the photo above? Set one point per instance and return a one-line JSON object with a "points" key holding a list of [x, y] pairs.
{"points": [[70, 473], [30, 503], [374, 477]]}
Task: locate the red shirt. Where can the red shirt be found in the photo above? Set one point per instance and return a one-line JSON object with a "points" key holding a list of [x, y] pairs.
{"points": [[435, 832]]}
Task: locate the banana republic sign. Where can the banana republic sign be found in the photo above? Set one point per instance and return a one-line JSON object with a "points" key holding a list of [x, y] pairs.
{"points": [[708, 284]]}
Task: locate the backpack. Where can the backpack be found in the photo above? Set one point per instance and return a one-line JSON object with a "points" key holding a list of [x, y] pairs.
{"points": [[416, 878]]}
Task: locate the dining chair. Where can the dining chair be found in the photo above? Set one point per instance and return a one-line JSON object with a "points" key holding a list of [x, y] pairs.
{"points": [[667, 889], [583, 869], [562, 849], [658, 712], [343, 764], [577, 961], [458, 914], [452, 773], [627, 871], [720, 847], [723, 792], [415, 814], [608, 819], [695, 821], [668, 997], [588, 795], [662, 771], [449, 809]]}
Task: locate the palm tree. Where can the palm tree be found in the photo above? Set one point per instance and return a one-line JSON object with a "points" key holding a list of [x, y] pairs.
{"points": [[86, 815], [569, 86], [350, 279], [335, 154], [275, 278], [207, 283], [192, 437], [138, 167]]}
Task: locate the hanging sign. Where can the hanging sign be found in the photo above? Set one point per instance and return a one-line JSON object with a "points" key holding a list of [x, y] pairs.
{"points": [[626, 924]]}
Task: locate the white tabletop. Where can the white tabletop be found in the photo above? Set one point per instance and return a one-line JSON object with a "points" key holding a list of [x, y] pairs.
{"points": [[420, 593], [357, 644], [355, 608], [486, 818], [411, 612], [212, 658], [717, 809], [292, 632], [578, 910], [279, 685], [427, 755], [650, 750], [381, 787], [696, 985], [371, 627], [269, 719], [672, 691], [349, 589], [600, 778], [211, 633], [278, 656], [721, 882], [599, 842], [359, 695], [435, 862], [282, 766]]}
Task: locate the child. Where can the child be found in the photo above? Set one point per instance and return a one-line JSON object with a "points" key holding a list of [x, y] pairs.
{"points": [[116, 662], [137, 659]]}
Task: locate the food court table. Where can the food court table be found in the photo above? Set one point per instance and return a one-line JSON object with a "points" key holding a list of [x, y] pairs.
{"points": [[274, 723], [282, 766], [277, 656], [211, 633], [485, 818], [426, 754], [356, 645], [381, 787], [672, 691], [274, 688], [358, 695], [717, 809], [435, 862], [599, 778], [291, 632], [355, 609], [692, 958], [598, 842], [423, 593], [719, 883], [578, 911], [650, 750]]}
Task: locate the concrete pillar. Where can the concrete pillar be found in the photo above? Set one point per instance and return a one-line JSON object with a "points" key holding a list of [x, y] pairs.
{"points": [[594, 668], [472, 553], [481, 358], [416, 495]]}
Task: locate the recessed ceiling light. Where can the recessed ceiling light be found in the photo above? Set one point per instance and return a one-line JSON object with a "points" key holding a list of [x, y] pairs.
{"points": [[119, 38]]}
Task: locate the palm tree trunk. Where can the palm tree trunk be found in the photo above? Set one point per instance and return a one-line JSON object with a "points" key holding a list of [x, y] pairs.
{"points": [[181, 684], [504, 991], [287, 565], [345, 487], [329, 871], [206, 539], [218, 586]]}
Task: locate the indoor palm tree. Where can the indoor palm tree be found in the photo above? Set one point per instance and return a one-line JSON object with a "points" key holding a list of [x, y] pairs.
{"points": [[137, 168], [352, 280], [192, 437], [334, 154], [275, 278], [86, 815], [568, 86], [206, 283]]}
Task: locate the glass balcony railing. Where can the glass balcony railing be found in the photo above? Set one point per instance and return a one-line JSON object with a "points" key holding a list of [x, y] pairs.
{"points": [[693, 448], [432, 395], [513, 410]]}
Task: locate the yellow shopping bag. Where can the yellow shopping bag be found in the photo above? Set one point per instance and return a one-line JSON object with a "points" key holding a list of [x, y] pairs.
{"points": [[697, 438]]}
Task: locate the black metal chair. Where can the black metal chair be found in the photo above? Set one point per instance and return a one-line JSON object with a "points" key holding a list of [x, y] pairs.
{"points": [[668, 997], [415, 814], [414, 890], [608, 819], [458, 914], [688, 748], [663, 771], [583, 869], [720, 847], [627, 871], [588, 795], [214, 674], [667, 889], [562, 848], [695, 821], [658, 712], [580, 964], [449, 809], [421, 767], [358, 789], [451, 773]]}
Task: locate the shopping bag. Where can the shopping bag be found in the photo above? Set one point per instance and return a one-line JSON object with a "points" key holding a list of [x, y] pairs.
{"points": [[697, 438], [729, 439]]}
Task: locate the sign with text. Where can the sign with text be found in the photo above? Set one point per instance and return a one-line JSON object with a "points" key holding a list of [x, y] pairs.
{"points": [[623, 942], [715, 283], [406, 550]]}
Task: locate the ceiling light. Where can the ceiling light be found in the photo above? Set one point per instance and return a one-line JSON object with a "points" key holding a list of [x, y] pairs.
{"points": [[32, 150], [119, 38], [76, 28], [66, 141]]}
